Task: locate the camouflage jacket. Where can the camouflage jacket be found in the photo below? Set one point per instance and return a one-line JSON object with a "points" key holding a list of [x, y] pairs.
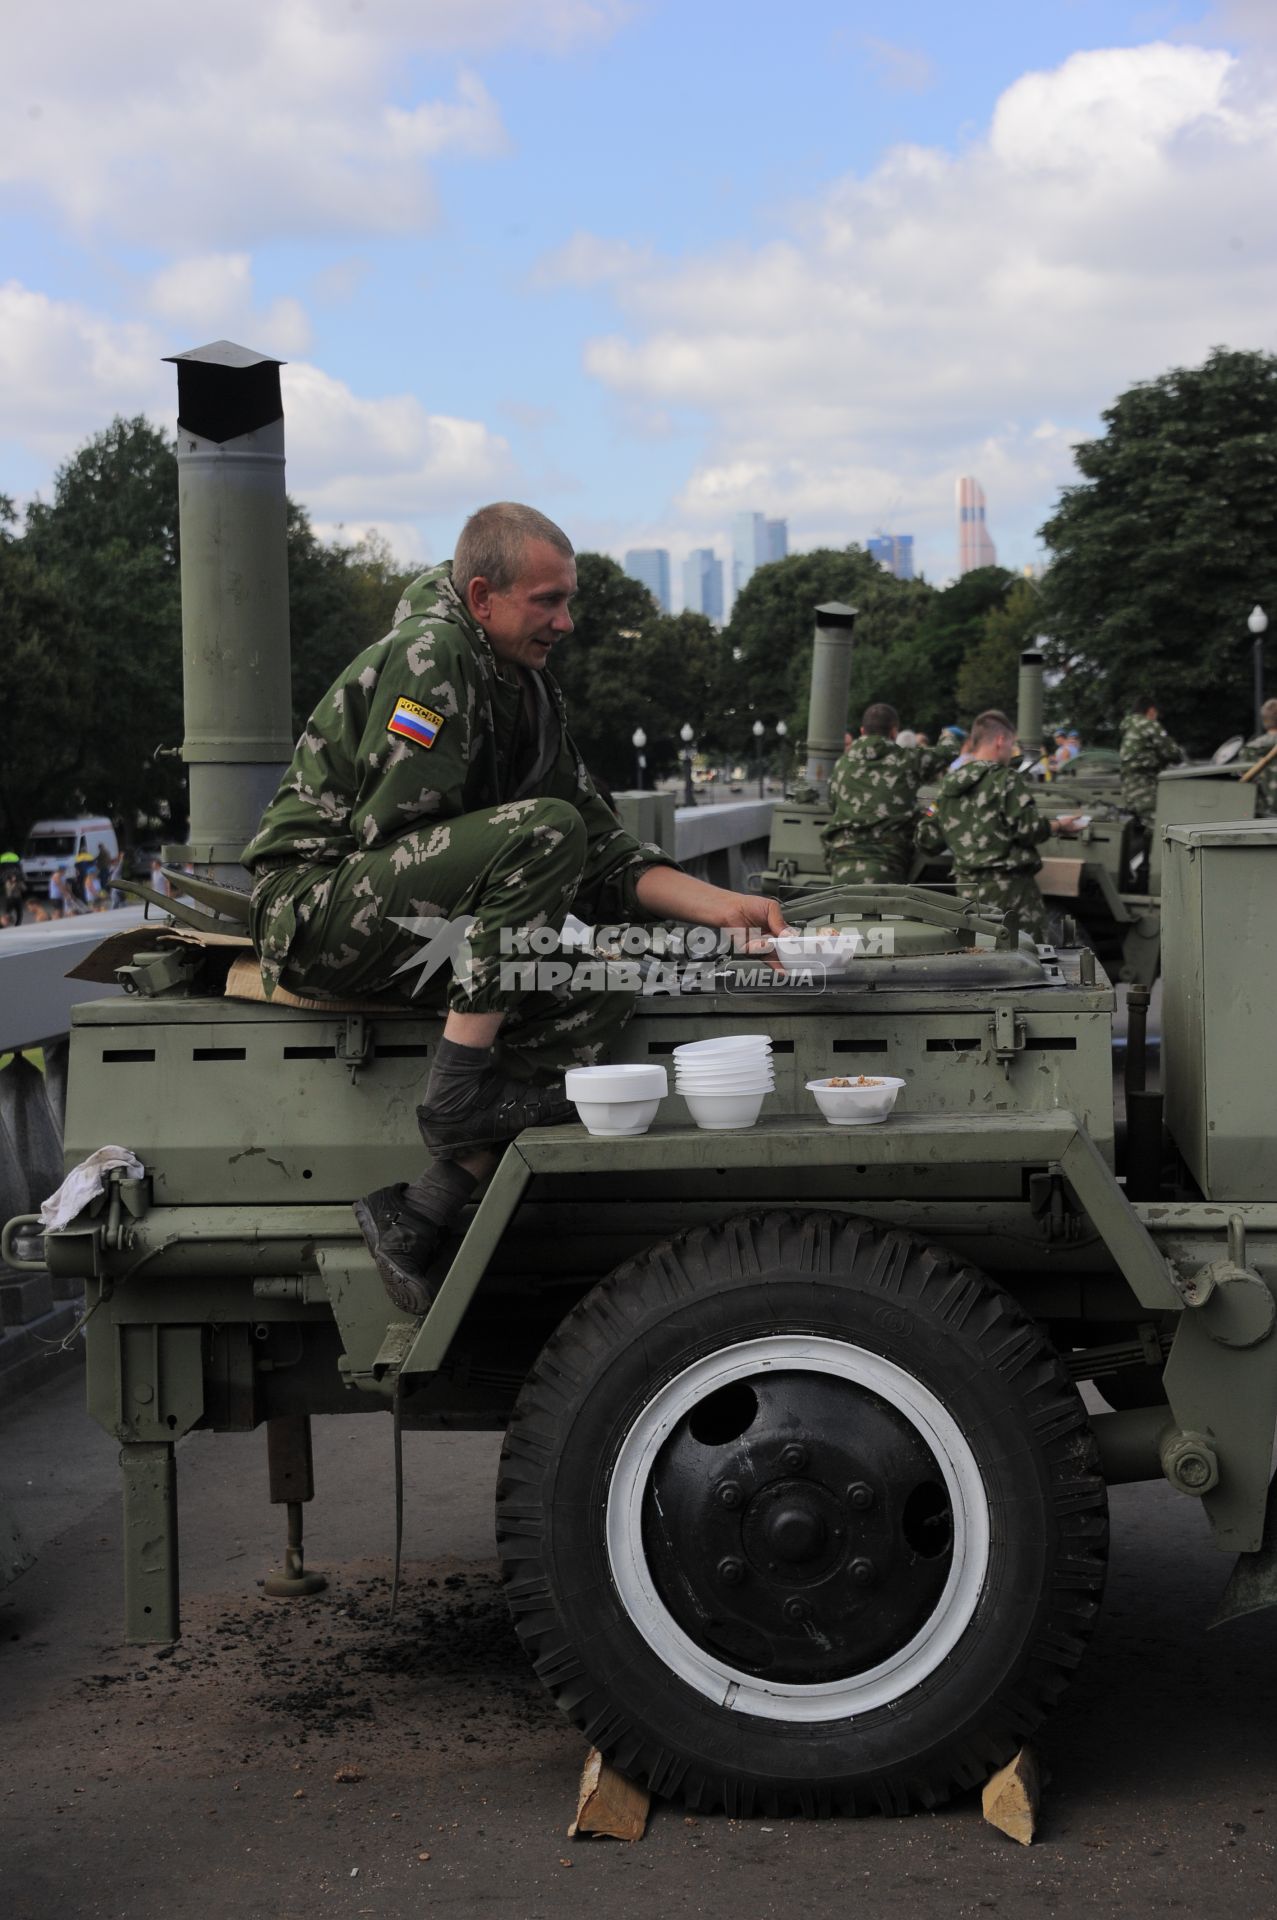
{"points": [[1266, 782], [874, 790], [427, 724], [988, 816], [1146, 748]]}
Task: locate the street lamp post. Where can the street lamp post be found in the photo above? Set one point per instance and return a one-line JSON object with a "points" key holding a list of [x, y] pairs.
{"points": [[1257, 621], [639, 739], [687, 735], [781, 732], [759, 731]]}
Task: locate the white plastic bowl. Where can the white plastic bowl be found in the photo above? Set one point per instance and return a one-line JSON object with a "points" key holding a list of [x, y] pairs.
{"points": [[616, 1100], [707, 1076], [729, 1043], [856, 1106], [717, 1112], [725, 1083]]}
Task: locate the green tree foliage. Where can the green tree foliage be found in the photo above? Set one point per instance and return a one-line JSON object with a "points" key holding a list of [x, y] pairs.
{"points": [[990, 672], [107, 546], [772, 625], [41, 665], [109, 539], [1163, 547], [340, 598], [627, 665]]}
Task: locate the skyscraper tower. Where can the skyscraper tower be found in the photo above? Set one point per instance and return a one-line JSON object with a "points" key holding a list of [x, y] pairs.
{"points": [[894, 551], [703, 584], [749, 548], [975, 548], [651, 565]]}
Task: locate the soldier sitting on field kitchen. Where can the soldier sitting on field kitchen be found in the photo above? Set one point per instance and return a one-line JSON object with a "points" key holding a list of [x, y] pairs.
{"points": [[437, 779]]}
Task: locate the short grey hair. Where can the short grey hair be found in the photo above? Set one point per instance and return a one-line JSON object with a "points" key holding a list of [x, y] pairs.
{"points": [[493, 541]]}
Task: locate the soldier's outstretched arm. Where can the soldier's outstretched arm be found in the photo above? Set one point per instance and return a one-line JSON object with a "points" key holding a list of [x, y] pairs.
{"points": [[668, 894]]}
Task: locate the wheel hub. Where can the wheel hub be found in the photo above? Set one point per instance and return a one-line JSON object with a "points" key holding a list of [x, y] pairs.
{"points": [[797, 1524]]}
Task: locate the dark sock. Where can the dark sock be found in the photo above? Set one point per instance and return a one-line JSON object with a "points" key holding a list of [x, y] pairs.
{"points": [[440, 1192], [455, 1058]]}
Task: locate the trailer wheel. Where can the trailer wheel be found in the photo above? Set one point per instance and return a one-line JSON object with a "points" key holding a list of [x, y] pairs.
{"points": [[796, 1514]]}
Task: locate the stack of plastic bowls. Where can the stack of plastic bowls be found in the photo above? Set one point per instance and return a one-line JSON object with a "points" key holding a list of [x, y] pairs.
{"points": [[724, 1081]]}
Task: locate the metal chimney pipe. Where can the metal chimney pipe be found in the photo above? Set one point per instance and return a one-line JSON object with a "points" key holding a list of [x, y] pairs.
{"points": [[236, 672], [1029, 713], [830, 685]]}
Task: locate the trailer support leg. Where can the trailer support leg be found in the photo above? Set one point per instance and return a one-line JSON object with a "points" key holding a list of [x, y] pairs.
{"points": [[149, 1472], [292, 1483]]}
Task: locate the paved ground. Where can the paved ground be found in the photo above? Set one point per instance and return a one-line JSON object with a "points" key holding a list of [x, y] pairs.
{"points": [[145, 1784]]}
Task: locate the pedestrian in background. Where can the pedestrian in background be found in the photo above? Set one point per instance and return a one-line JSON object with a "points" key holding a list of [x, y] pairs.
{"points": [[954, 741], [13, 897]]}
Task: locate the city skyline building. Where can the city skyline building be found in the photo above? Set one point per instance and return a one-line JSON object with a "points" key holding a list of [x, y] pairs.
{"points": [[703, 584], [749, 548], [894, 551], [756, 542], [975, 547], [651, 567]]}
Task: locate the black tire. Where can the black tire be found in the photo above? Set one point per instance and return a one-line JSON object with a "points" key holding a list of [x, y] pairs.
{"points": [[632, 1454]]}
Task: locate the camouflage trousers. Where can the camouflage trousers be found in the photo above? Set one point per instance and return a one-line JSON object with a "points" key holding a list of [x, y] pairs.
{"points": [[1140, 797], [1003, 892], [442, 916], [884, 861]]}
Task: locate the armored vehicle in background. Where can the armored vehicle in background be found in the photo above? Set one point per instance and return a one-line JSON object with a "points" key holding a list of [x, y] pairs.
{"points": [[800, 1506]]}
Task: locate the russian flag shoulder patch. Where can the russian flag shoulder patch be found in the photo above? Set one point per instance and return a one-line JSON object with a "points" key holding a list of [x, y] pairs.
{"points": [[411, 722]]}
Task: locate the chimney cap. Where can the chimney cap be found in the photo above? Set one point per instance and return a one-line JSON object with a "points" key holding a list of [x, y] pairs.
{"points": [[226, 353], [835, 613]]}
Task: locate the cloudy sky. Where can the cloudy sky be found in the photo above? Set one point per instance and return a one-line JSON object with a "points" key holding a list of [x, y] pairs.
{"points": [[642, 263]]}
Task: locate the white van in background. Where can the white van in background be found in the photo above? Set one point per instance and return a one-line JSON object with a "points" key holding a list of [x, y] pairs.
{"points": [[55, 843]]}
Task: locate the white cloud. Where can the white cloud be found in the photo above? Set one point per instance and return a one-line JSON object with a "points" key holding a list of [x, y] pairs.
{"points": [[929, 318], [381, 460], [363, 460], [65, 370], [213, 293], [197, 128]]}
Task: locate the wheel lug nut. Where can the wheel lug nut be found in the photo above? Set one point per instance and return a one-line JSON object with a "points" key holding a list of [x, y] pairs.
{"points": [[863, 1572], [731, 1571], [859, 1495], [729, 1494], [797, 1610], [794, 1459]]}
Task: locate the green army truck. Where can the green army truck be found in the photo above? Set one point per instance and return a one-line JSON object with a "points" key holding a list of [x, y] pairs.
{"points": [[808, 1428]]}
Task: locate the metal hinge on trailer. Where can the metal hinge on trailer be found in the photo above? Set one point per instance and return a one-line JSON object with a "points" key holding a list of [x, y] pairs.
{"points": [[1009, 1030]]}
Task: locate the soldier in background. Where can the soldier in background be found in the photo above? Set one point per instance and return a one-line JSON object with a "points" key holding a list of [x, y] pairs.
{"points": [[1145, 749], [1256, 749], [986, 814], [874, 793]]}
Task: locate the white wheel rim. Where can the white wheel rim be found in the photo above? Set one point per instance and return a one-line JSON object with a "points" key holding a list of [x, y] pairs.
{"points": [[717, 1679]]}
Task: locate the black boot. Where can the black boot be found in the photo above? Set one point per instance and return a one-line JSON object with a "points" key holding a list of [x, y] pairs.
{"points": [[471, 1103], [403, 1244]]}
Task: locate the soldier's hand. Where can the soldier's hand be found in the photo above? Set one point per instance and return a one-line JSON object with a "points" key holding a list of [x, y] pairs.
{"points": [[763, 918]]}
